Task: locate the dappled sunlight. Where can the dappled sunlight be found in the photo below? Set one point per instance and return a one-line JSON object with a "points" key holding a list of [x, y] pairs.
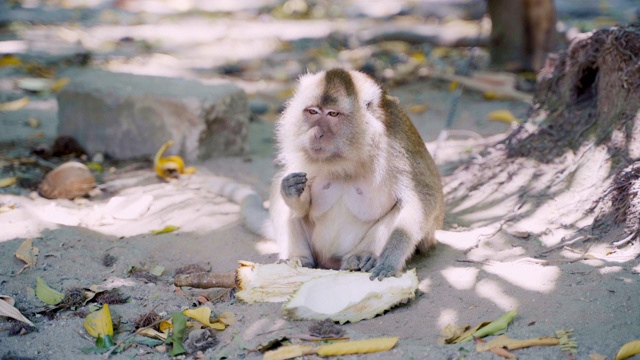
{"points": [[266, 247], [447, 316], [493, 291], [610, 270], [463, 240], [425, 285], [529, 276], [461, 278]]}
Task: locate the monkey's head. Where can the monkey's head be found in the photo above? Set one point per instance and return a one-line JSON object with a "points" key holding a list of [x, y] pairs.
{"points": [[332, 121]]}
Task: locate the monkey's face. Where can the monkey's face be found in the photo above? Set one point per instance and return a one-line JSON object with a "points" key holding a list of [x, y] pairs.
{"points": [[327, 132]]}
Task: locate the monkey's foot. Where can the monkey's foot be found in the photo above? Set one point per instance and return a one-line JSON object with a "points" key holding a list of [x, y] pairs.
{"points": [[298, 261], [364, 261], [383, 271]]}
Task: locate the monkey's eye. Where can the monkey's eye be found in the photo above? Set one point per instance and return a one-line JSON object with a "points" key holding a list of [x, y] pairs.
{"points": [[312, 111], [333, 113]]}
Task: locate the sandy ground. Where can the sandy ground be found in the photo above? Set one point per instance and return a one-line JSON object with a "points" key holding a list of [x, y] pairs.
{"points": [[473, 275]]}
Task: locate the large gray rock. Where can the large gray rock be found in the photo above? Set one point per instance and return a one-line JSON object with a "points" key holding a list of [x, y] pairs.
{"points": [[128, 116]]}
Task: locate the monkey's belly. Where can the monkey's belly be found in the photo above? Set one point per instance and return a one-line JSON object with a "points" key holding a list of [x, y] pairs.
{"points": [[336, 233]]}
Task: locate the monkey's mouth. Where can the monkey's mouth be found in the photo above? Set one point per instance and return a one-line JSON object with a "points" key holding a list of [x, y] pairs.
{"points": [[320, 152]]}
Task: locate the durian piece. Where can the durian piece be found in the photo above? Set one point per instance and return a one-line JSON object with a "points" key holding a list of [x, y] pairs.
{"points": [[273, 282], [350, 296]]}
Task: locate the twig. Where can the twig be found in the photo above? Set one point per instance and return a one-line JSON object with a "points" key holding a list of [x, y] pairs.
{"points": [[562, 245], [625, 240]]}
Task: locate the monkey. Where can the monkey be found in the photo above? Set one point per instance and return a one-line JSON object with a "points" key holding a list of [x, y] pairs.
{"points": [[358, 189]]}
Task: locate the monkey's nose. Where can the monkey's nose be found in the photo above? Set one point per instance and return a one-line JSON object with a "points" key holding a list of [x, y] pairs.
{"points": [[319, 134]]}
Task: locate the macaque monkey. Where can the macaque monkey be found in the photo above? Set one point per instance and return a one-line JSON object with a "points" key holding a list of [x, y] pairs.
{"points": [[358, 189]]}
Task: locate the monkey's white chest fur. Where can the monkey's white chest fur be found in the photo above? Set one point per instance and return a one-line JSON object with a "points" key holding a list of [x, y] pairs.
{"points": [[343, 213]]}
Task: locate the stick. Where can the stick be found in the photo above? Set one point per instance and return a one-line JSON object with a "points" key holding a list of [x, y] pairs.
{"points": [[206, 280]]}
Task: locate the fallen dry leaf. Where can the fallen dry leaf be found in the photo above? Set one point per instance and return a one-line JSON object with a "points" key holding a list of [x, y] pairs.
{"points": [[203, 314], [596, 356], [289, 352], [503, 115], [15, 104], [7, 309], [504, 353], [227, 318], [27, 253], [150, 333], [8, 181], [504, 341], [358, 347], [628, 350]]}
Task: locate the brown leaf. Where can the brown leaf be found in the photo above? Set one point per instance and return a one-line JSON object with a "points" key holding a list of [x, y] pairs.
{"points": [[502, 352], [27, 253], [504, 341]]}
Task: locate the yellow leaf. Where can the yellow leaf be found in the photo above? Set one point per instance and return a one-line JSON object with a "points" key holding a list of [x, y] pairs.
{"points": [[596, 356], [504, 341], [358, 347], [10, 60], [165, 326], [166, 229], [46, 294], [33, 123], [289, 352], [8, 181], [94, 166], [628, 350], [7, 309], [503, 115], [169, 166], [227, 318], [150, 333], [15, 104], [27, 253], [453, 85], [59, 84], [203, 315], [98, 323], [490, 95], [418, 108]]}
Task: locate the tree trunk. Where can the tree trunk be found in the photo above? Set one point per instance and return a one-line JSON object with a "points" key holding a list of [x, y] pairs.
{"points": [[522, 33]]}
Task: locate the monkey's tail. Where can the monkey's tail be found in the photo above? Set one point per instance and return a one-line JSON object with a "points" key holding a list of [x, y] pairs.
{"points": [[254, 215]]}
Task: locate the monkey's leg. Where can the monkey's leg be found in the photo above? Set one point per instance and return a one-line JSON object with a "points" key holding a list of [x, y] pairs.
{"points": [[394, 255], [293, 192]]}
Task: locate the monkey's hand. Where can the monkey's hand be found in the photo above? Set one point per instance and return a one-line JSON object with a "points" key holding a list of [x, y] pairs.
{"points": [[298, 261], [293, 184], [363, 261], [383, 270]]}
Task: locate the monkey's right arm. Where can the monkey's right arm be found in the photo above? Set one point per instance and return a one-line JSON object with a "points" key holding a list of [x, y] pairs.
{"points": [[292, 189]]}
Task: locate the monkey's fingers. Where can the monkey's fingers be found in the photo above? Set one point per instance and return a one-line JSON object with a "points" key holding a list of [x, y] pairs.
{"points": [[368, 262], [293, 184], [383, 271]]}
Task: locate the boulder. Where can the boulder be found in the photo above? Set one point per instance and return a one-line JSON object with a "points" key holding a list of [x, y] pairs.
{"points": [[130, 116]]}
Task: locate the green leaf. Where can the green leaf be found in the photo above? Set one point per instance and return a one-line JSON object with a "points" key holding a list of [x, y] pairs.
{"points": [[104, 341], [46, 294], [157, 270], [179, 321], [495, 326]]}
